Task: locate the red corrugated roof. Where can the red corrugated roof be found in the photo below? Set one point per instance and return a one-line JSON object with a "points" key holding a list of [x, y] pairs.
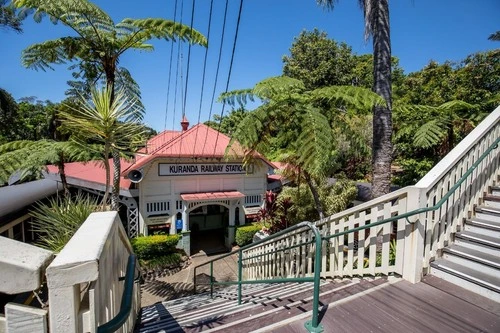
{"points": [[200, 141], [92, 171], [212, 196]]}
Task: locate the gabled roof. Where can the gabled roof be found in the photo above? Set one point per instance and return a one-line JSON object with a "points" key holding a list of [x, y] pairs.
{"points": [[200, 141]]}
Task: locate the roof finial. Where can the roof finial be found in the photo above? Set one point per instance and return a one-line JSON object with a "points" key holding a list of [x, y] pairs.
{"points": [[184, 123]]}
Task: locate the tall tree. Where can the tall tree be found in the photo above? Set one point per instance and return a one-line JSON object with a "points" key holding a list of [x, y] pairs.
{"points": [[98, 45], [319, 61], [8, 116], [376, 14]]}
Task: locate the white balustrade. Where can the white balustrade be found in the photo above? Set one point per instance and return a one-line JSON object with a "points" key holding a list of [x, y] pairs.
{"points": [[85, 280]]}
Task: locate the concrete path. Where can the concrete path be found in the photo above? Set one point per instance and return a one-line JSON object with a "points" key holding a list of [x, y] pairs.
{"points": [[180, 284]]}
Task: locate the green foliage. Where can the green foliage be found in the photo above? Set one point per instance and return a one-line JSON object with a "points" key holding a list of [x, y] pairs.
{"points": [[9, 18], [149, 247], [319, 61], [244, 234], [412, 170], [8, 116], [228, 123], [58, 220], [162, 261], [334, 198], [30, 158]]}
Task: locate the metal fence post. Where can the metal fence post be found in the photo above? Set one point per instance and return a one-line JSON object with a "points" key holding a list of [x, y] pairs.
{"points": [[240, 273]]}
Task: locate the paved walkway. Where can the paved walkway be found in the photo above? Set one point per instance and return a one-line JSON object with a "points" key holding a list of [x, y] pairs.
{"points": [[180, 284]]}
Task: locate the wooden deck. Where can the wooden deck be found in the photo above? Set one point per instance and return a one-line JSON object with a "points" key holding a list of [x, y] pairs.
{"points": [[433, 305]]}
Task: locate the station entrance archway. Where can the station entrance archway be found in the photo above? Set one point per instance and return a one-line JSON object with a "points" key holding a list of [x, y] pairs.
{"points": [[209, 226]]}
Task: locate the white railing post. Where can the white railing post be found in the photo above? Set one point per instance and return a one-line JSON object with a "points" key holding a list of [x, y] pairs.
{"points": [[414, 236]]}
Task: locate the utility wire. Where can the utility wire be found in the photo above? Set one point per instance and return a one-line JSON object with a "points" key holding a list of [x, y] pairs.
{"points": [[204, 71], [230, 69], [170, 70], [177, 70], [217, 70]]}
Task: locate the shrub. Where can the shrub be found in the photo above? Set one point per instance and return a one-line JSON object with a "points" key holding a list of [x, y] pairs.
{"points": [[161, 262], [58, 220], [244, 234], [148, 247]]}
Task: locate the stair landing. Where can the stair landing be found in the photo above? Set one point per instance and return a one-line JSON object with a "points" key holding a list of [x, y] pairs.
{"points": [[433, 305]]}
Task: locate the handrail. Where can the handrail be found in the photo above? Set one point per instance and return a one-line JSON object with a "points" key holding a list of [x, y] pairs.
{"points": [[126, 304], [425, 209], [311, 325]]}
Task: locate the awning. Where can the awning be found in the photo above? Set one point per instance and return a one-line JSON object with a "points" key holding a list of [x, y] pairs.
{"points": [[212, 196]]}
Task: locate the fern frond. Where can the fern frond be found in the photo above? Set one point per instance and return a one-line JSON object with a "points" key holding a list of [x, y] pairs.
{"points": [[162, 29], [430, 134], [237, 96], [360, 99], [57, 51], [276, 86], [314, 144]]}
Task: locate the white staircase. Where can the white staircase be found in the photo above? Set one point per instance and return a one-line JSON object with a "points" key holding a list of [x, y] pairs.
{"points": [[473, 261]]}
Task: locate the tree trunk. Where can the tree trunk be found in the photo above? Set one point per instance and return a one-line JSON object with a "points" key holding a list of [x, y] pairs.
{"points": [[115, 194], [108, 176], [62, 174], [315, 194], [382, 119]]}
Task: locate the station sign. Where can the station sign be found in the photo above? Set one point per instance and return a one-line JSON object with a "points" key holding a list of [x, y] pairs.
{"points": [[171, 169]]}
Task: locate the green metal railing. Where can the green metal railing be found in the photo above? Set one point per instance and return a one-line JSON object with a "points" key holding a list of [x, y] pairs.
{"points": [[126, 304], [313, 325]]}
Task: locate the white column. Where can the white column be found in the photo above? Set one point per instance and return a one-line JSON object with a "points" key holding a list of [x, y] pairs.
{"points": [[185, 217], [414, 237], [242, 214]]}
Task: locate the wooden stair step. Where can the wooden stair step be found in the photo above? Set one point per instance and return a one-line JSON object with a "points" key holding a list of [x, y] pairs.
{"points": [[479, 278], [471, 254]]}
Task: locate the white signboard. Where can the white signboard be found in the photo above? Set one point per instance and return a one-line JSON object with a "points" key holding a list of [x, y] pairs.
{"points": [[167, 169]]}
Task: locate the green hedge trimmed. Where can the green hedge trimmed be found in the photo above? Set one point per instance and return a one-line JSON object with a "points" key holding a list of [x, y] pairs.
{"points": [[147, 247], [244, 234]]}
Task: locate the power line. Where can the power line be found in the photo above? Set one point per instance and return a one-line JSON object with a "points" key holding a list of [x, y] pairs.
{"points": [[170, 70], [177, 70], [204, 71], [230, 70], [217, 70]]}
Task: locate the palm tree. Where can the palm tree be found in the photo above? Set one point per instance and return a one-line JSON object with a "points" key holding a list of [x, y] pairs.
{"points": [[98, 45], [115, 123], [376, 14]]}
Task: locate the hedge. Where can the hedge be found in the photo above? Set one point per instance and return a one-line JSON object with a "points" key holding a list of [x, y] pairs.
{"points": [[147, 247], [244, 234]]}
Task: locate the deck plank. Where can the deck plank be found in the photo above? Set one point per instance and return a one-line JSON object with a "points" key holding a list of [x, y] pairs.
{"points": [[407, 307]]}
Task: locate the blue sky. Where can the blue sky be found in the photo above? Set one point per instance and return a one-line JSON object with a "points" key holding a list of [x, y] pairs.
{"points": [[421, 30]]}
